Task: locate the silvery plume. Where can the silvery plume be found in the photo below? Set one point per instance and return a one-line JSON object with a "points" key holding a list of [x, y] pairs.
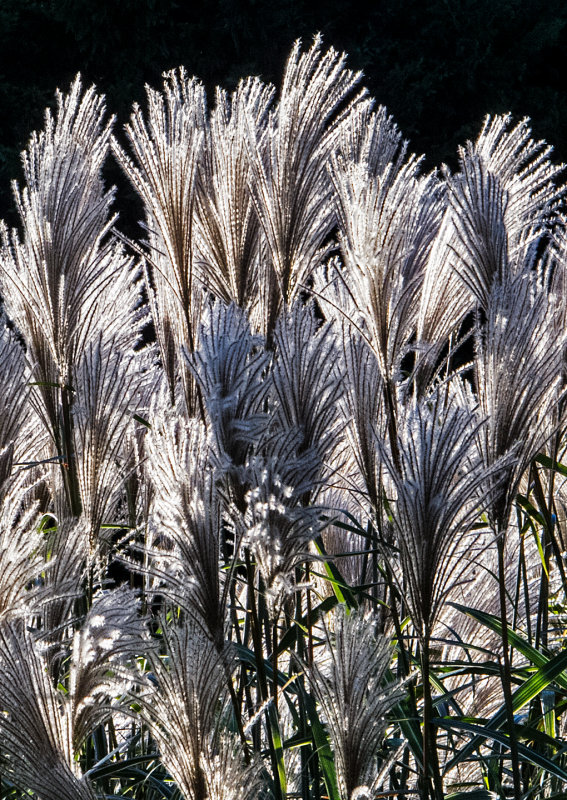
{"points": [[184, 558], [441, 486], [290, 184], [167, 146], [113, 385], [348, 680], [42, 727], [229, 260], [519, 340], [231, 367], [61, 276], [307, 387], [388, 216], [502, 202], [183, 707]]}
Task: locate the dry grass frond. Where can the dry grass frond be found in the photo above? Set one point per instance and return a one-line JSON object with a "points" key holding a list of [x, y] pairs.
{"points": [[167, 151], [231, 367], [291, 187], [118, 312], [480, 591], [110, 389], [441, 489], [183, 712], [480, 695], [20, 549], [388, 224], [6, 461], [35, 723], [556, 484], [503, 200], [372, 138], [228, 240], [554, 273], [14, 412], [526, 173], [226, 775], [518, 373], [68, 559], [187, 518], [138, 488], [363, 407], [307, 385], [444, 304], [31, 452], [64, 259], [66, 279], [348, 681], [41, 727], [346, 547], [481, 252], [276, 525], [111, 635]]}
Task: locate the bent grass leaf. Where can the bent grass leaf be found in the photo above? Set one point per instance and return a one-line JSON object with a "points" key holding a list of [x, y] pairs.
{"points": [[548, 670], [278, 750], [538, 658], [289, 638], [531, 510], [128, 770], [484, 732], [551, 464], [322, 746], [342, 590], [246, 655]]}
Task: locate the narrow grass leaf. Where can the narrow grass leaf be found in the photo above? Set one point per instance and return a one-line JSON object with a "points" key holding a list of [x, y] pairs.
{"points": [[322, 746], [482, 732]]}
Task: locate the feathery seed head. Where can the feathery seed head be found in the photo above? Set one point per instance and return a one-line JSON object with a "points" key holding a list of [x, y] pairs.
{"points": [[441, 488], [518, 374], [348, 681]]}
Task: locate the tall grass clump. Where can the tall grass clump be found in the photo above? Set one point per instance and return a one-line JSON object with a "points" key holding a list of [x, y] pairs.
{"points": [[282, 483]]}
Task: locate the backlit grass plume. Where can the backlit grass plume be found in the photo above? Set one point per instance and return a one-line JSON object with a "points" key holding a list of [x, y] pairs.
{"points": [[231, 367], [307, 386], [291, 188], [21, 561], [186, 517], [59, 277], [184, 711], [167, 147], [15, 408], [230, 256], [520, 331], [349, 681], [42, 725], [441, 487]]}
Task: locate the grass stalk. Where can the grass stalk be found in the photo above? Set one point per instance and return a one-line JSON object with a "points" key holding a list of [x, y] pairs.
{"points": [[256, 632], [432, 781], [69, 463], [506, 667]]}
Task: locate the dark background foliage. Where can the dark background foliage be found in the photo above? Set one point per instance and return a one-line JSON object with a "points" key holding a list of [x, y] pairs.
{"points": [[438, 65]]}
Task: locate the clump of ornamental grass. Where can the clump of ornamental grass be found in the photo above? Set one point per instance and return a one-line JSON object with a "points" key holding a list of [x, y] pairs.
{"points": [[289, 546]]}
